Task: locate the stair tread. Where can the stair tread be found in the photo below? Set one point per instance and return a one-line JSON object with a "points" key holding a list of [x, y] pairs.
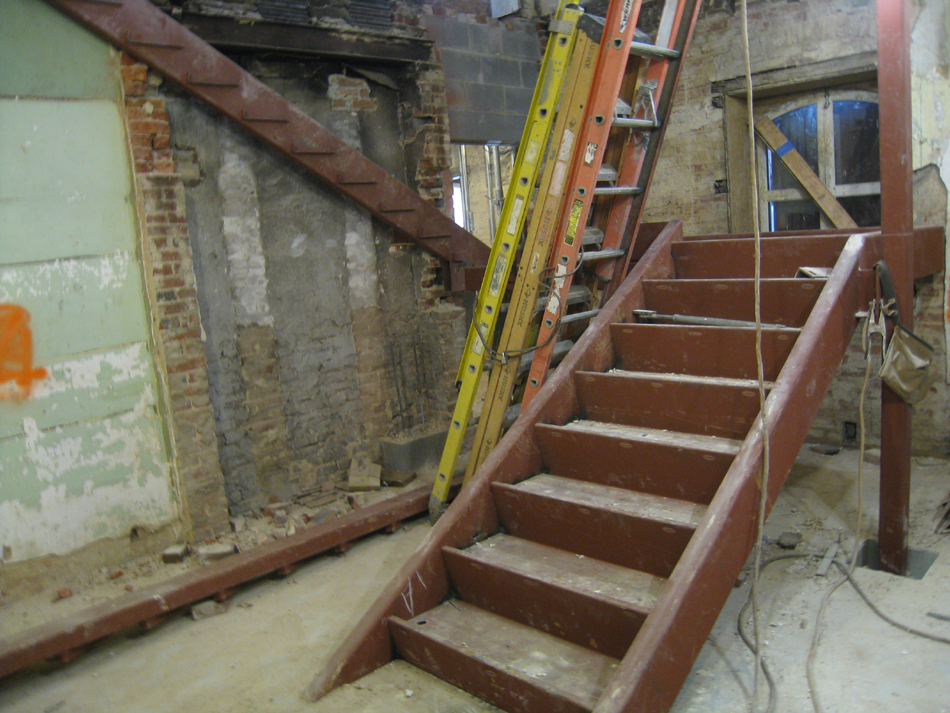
{"points": [[568, 570], [716, 444], [691, 378], [605, 497], [567, 670]]}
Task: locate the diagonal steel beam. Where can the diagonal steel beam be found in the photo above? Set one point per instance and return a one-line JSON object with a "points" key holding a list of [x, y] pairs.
{"points": [[152, 37]]}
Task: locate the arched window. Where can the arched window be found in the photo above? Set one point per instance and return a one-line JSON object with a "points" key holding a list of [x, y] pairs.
{"points": [[837, 135]]}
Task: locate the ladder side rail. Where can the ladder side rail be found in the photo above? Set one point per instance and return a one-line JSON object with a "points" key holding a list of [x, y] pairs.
{"points": [[515, 336], [631, 172], [504, 248], [630, 226], [614, 55]]}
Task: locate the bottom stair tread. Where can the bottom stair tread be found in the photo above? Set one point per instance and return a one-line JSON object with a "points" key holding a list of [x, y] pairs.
{"points": [[456, 641], [399, 687]]}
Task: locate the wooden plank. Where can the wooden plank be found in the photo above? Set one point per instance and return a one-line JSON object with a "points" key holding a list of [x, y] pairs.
{"points": [[802, 171], [503, 662], [582, 600], [627, 460]]}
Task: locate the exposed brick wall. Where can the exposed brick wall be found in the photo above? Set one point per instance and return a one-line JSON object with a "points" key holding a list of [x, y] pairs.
{"points": [[350, 93], [170, 282]]}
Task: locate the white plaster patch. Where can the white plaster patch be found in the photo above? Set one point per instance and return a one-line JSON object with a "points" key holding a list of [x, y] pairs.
{"points": [[298, 245], [241, 227], [62, 523], [83, 373], [360, 248], [47, 278], [125, 454]]}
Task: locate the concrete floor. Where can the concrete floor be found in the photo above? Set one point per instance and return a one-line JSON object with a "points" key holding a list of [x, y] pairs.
{"points": [[259, 656]]}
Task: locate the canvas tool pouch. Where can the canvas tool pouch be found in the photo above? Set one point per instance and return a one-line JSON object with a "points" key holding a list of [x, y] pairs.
{"points": [[908, 359]]}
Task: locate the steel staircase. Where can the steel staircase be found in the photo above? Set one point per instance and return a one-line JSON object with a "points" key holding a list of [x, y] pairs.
{"points": [[584, 565], [152, 37]]}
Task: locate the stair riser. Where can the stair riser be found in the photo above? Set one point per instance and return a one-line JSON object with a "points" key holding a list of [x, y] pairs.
{"points": [[489, 683], [619, 538], [700, 351], [736, 258], [704, 409], [785, 302], [598, 623], [658, 469]]}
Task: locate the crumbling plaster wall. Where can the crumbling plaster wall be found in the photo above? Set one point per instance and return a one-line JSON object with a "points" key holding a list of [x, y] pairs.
{"points": [[88, 449], [321, 336], [694, 157]]}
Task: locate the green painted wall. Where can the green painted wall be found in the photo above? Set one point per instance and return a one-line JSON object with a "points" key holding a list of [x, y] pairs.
{"points": [[83, 456]]}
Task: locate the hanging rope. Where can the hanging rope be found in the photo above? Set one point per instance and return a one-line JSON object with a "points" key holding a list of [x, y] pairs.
{"points": [[763, 413]]}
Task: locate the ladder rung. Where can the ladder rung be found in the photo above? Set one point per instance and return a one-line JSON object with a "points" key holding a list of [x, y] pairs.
{"points": [[578, 316], [213, 82], [274, 119], [602, 255], [592, 236], [151, 43], [576, 295], [617, 191], [645, 49], [627, 123], [560, 351], [606, 173]]}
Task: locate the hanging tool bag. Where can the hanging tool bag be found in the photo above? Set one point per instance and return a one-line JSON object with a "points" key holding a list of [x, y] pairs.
{"points": [[908, 359]]}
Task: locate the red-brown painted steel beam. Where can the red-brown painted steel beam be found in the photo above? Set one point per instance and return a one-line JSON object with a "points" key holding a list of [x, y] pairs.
{"points": [[145, 32], [652, 673], [422, 582], [152, 604], [897, 217]]}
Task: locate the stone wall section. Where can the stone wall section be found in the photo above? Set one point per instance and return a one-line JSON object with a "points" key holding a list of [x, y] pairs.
{"points": [[170, 280]]}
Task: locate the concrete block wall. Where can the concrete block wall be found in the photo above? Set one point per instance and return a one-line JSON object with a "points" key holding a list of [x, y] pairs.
{"points": [[694, 156], [491, 68]]}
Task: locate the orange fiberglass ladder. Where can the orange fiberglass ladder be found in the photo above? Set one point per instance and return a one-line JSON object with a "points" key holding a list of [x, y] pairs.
{"points": [[152, 37], [616, 148]]}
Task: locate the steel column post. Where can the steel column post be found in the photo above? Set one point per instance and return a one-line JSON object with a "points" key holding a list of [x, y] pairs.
{"points": [[893, 43]]}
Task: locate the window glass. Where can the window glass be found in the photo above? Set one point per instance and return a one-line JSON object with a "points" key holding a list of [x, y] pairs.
{"points": [[857, 142], [800, 127], [865, 210], [794, 215]]}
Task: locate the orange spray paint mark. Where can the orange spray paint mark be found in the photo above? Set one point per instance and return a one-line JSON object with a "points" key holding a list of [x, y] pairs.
{"points": [[16, 352]]}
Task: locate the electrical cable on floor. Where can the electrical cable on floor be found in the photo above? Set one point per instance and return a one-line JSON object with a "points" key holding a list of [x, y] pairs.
{"points": [[763, 413], [816, 633]]}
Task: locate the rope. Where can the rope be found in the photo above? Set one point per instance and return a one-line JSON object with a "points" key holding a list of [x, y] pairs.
{"points": [[763, 414]]}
